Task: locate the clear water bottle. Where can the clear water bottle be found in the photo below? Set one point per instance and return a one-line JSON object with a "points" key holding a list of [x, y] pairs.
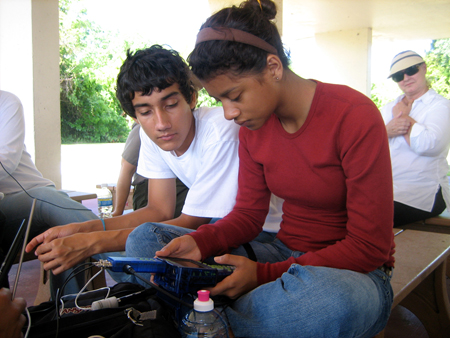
{"points": [[203, 321], [105, 202]]}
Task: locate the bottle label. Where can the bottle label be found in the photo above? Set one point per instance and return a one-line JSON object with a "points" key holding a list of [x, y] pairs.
{"points": [[104, 202]]}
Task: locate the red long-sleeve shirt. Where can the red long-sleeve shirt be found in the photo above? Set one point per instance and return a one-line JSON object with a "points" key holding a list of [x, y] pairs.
{"points": [[335, 176]]}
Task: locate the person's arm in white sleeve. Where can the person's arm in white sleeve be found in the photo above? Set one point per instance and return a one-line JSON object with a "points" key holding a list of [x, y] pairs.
{"points": [[12, 133], [432, 136]]}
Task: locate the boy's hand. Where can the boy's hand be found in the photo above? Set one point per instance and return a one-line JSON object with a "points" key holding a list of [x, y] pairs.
{"points": [[63, 253], [242, 280], [53, 233]]}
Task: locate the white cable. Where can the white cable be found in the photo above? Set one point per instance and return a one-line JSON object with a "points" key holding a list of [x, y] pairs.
{"points": [[29, 323], [84, 287]]}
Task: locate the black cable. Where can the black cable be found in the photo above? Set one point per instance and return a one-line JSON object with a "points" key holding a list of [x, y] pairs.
{"points": [[128, 269], [57, 312], [75, 272], [58, 291], [38, 199]]}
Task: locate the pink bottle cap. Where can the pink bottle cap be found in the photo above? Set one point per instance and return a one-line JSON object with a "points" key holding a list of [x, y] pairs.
{"points": [[203, 295]]}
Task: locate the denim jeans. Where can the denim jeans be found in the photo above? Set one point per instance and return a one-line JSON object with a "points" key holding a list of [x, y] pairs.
{"points": [[306, 301], [16, 208]]}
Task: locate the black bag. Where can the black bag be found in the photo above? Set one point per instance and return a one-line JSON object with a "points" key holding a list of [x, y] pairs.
{"points": [[140, 313]]}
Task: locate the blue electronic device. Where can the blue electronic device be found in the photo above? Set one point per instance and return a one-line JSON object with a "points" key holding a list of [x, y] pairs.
{"points": [[177, 275]]}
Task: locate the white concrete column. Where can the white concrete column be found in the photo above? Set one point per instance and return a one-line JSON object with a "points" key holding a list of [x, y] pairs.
{"points": [[29, 68], [342, 57]]}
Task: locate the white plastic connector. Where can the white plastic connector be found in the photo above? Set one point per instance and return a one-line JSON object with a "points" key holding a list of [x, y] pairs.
{"points": [[108, 303]]}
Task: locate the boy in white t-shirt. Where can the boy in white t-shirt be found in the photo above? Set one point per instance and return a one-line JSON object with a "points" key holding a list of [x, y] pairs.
{"points": [[199, 146]]}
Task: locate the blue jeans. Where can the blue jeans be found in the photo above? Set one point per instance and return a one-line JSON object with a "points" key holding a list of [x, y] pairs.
{"points": [[306, 301], [17, 206]]}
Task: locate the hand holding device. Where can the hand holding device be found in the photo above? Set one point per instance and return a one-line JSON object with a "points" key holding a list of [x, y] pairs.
{"points": [[176, 275], [243, 279], [184, 246]]}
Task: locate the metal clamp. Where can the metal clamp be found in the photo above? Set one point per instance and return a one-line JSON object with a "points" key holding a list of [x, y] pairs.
{"points": [[138, 317]]}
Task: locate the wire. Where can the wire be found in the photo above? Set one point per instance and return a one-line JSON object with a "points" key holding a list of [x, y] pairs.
{"points": [[72, 274], [84, 287], [29, 323], [38, 199], [57, 313], [58, 299]]}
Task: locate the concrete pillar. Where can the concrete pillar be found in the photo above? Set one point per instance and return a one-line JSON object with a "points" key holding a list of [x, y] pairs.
{"points": [[29, 68], [342, 57]]}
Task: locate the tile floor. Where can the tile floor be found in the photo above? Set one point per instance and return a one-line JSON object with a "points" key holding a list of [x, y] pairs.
{"points": [[402, 323]]}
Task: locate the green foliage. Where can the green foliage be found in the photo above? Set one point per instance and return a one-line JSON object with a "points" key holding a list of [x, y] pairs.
{"points": [[383, 93], [438, 66], [90, 59], [205, 100], [90, 112]]}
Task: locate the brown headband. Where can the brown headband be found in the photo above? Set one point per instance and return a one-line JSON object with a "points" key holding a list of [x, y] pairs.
{"points": [[231, 34]]}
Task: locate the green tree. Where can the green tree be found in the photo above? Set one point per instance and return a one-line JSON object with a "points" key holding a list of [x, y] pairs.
{"points": [[383, 93], [205, 100], [438, 66], [90, 59], [90, 112]]}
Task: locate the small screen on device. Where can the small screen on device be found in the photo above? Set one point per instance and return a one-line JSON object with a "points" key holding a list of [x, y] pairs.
{"points": [[189, 263]]}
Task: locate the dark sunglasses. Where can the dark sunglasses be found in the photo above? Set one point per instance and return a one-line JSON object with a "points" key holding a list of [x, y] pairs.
{"points": [[399, 76]]}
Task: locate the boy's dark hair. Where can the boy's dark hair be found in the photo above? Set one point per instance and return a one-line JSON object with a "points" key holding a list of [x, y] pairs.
{"points": [[154, 68], [216, 57]]}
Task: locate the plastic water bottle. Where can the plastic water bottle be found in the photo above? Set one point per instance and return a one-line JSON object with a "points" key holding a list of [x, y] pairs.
{"points": [[105, 202], [203, 321]]}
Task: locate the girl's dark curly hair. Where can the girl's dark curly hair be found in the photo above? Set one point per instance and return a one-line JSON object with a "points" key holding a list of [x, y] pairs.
{"points": [[212, 58], [149, 69]]}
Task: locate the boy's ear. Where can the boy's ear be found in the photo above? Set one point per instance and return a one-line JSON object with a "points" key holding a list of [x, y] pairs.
{"points": [[193, 100]]}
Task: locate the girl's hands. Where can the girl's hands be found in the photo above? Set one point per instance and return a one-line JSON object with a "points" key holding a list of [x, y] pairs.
{"points": [[242, 280], [181, 247]]}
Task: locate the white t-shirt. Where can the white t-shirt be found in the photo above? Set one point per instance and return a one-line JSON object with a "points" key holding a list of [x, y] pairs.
{"points": [[209, 168], [13, 154], [421, 168]]}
